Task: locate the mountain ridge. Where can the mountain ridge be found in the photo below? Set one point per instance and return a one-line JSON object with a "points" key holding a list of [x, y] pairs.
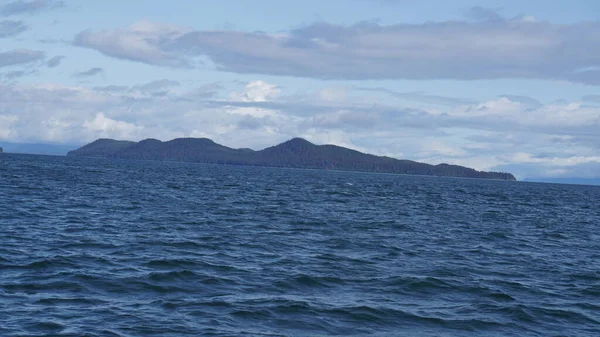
{"points": [[294, 153]]}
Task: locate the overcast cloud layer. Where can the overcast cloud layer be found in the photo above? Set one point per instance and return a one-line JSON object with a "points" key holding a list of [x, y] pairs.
{"points": [[465, 50]]}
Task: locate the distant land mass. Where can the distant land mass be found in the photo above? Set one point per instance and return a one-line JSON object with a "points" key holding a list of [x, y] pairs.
{"points": [[295, 153]]}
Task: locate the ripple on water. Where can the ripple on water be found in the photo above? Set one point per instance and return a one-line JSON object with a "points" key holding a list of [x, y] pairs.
{"points": [[94, 247]]}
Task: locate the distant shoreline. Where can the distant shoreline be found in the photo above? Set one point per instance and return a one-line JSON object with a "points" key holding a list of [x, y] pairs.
{"points": [[565, 181]]}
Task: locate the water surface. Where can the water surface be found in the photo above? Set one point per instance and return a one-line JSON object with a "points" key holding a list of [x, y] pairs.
{"points": [[92, 247]]}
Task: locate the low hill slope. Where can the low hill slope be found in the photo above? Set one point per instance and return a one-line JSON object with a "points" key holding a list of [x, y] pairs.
{"points": [[297, 153]]}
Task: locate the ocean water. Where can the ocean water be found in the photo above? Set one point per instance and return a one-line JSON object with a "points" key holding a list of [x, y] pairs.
{"points": [[92, 247]]}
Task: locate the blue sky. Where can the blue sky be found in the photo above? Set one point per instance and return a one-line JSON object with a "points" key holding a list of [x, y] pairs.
{"points": [[494, 85]]}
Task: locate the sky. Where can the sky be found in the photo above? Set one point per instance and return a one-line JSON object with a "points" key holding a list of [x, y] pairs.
{"points": [[494, 85]]}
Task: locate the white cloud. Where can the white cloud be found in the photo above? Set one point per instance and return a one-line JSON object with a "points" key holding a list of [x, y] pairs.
{"points": [[257, 91], [435, 148], [570, 117], [334, 137], [523, 157], [501, 106], [105, 127], [336, 94], [345, 119], [254, 112], [496, 134], [6, 125]]}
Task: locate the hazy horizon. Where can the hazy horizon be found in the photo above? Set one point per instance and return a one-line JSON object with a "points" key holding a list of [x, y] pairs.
{"points": [[63, 149]]}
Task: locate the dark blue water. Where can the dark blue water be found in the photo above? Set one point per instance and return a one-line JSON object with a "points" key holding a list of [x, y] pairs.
{"points": [[92, 247]]}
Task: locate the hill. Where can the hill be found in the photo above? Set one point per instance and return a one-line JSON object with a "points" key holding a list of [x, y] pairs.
{"points": [[295, 153]]}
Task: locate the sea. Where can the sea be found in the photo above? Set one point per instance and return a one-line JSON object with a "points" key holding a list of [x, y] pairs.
{"points": [[99, 247]]}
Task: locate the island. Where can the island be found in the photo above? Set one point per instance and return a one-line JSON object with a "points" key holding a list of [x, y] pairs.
{"points": [[294, 153]]}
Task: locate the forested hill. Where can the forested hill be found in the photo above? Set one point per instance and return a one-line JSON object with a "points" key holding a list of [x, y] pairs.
{"points": [[296, 153]]}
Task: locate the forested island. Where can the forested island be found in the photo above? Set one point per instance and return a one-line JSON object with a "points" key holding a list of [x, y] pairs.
{"points": [[294, 153]]}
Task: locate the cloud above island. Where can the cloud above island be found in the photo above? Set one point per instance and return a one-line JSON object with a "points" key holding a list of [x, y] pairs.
{"points": [[491, 47], [495, 134]]}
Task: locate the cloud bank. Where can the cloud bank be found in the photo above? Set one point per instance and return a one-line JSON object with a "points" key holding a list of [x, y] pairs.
{"points": [[552, 140], [490, 47]]}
